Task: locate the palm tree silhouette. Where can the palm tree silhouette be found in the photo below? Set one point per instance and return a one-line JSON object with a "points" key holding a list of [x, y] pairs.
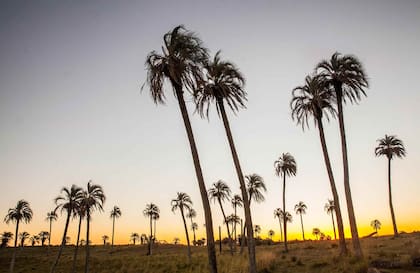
{"points": [[23, 236], [105, 238], [150, 211], [93, 199], [181, 63], [67, 202], [80, 212], [21, 213], [376, 225], [5, 238], [115, 213], [192, 214], [51, 216], [143, 238], [285, 166], [391, 147], [233, 220], [316, 232], [330, 209], [220, 192], [278, 212], [314, 99], [300, 208], [225, 83], [34, 239], [345, 74], [183, 202], [134, 237], [257, 230], [271, 234], [43, 236], [236, 202]]}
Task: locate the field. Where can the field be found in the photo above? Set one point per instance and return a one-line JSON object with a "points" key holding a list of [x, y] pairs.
{"points": [[386, 253]]}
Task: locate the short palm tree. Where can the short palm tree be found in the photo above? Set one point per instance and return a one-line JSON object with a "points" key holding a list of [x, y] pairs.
{"points": [[257, 230], [115, 213], [105, 238], [300, 208], [183, 202], [51, 216], [23, 236], [285, 166], [236, 202], [21, 213], [34, 239], [150, 211], [330, 208], [278, 212], [43, 236], [346, 76], [5, 238], [391, 147], [225, 84], [271, 234], [191, 214], [134, 237], [181, 63], [316, 232], [376, 225]]}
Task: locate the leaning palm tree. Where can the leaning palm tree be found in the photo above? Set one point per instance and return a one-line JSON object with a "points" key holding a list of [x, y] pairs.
{"points": [[330, 208], [236, 202], [345, 74], [225, 84], [376, 225], [93, 199], [23, 236], [181, 63], [81, 214], [67, 202], [278, 212], [300, 208], [314, 99], [391, 147], [51, 216], [115, 213], [150, 211], [21, 213], [183, 202], [192, 214], [220, 192], [285, 166]]}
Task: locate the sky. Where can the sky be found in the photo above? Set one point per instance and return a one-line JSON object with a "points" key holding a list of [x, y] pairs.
{"points": [[71, 110]]}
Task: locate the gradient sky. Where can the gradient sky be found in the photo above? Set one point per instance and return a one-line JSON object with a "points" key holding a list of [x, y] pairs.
{"points": [[71, 108]]}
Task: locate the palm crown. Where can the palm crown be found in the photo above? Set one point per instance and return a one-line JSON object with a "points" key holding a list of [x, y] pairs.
{"points": [[51, 216], [300, 208], [150, 210], [390, 146], [22, 212], [182, 201], [220, 191], [285, 165], [115, 212], [70, 199], [329, 206], [236, 201], [255, 183], [93, 198]]}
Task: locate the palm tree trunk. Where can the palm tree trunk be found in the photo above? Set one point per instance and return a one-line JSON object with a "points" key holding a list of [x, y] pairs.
{"points": [[337, 209], [12, 263], [352, 219], [87, 240], [248, 219], [193, 229], [151, 236], [63, 242], [77, 245], [113, 229], [234, 228], [49, 237], [154, 232], [211, 250], [227, 226], [391, 207], [186, 234], [245, 226], [286, 249], [301, 223], [281, 230], [332, 218]]}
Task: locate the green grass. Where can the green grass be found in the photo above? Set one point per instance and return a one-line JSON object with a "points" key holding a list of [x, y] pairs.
{"points": [[310, 257]]}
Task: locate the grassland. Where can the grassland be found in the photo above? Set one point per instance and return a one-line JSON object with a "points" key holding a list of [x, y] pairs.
{"points": [[310, 256]]}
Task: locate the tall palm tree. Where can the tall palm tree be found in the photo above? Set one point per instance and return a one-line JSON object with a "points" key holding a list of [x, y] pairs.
{"points": [[5, 238], [226, 84], [181, 63], [192, 214], [105, 238], [278, 212], [315, 99], [330, 209], [80, 213], [345, 74], [285, 166], [150, 211], [376, 225], [183, 202], [23, 236], [300, 208], [43, 236], [93, 199], [67, 202], [21, 213], [220, 192], [391, 147], [51, 216], [236, 202], [115, 213]]}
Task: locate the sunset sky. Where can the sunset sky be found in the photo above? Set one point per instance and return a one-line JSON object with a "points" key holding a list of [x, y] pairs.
{"points": [[71, 109]]}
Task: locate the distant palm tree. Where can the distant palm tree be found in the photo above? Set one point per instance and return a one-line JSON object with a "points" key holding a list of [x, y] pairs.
{"points": [[81, 214], [23, 236], [134, 237], [67, 202], [51, 216], [176, 240], [5, 238], [115, 213], [220, 192], [285, 166], [225, 84], [194, 227], [391, 147], [181, 63], [192, 214], [34, 239], [105, 238], [257, 230], [236, 202], [316, 232], [150, 211], [93, 199], [300, 208], [315, 99], [22, 212], [43, 236], [278, 212], [183, 202], [143, 238], [271, 234], [376, 225], [345, 74], [330, 209], [67, 240], [233, 220]]}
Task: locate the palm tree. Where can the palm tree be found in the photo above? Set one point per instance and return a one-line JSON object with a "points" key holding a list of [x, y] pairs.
{"points": [[278, 212], [43, 236], [22, 212], [150, 210], [134, 237], [285, 166], [391, 147], [115, 213], [194, 227], [257, 230], [5, 238], [143, 238], [315, 99], [376, 225], [23, 236], [300, 208], [34, 239], [183, 202], [330, 208], [93, 199], [192, 214], [316, 232], [233, 220], [105, 238], [176, 240], [51, 216], [220, 192], [80, 212], [226, 84], [181, 63], [67, 202], [236, 202], [345, 74], [271, 234]]}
